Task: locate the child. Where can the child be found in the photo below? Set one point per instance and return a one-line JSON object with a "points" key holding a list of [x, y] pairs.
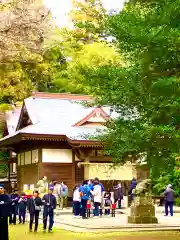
{"points": [[22, 208], [107, 198], [76, 200]]}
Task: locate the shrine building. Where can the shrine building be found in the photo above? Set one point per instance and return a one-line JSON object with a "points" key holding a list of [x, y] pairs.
{"points": [[51, 137]]}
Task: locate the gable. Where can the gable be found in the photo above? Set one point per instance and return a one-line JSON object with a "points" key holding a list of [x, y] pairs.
{"points": [[97, 117], [24, 119]]}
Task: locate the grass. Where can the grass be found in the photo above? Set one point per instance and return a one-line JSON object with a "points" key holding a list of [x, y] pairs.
{"points": [[20, 232]]}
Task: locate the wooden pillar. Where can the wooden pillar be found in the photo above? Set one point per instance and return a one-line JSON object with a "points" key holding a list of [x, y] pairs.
{"points": [[40, 165], [73, 168], [9, 179]]}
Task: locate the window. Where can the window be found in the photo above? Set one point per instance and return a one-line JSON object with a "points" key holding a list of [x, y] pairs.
{"points": [[35, 156], [22, 158], [27, 158], [100, 153]]}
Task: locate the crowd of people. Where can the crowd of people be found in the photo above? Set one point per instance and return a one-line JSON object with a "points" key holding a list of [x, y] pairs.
{"points": [[93, 192], [48, 196], [15, 204], [21, 203], [90, 193]]}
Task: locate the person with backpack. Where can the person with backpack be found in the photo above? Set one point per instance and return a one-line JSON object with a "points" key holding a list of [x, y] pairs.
{"points": [[63, 194], [34, 208], [107, 200], [85, 193]]}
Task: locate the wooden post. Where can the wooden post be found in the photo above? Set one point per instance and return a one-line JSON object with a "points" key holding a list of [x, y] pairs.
{"points": [[9, 177], [73, 168], [40, 166]]}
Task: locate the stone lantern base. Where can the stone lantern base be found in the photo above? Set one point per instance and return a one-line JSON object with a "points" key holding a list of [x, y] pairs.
{"points": [[142, 211]]}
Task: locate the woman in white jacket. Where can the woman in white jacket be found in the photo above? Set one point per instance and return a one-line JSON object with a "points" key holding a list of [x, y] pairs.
{"points": [[97, 193]]}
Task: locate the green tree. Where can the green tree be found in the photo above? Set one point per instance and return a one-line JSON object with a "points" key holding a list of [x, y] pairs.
{"points": [[83, 46], [88, 18], [145, 92]]}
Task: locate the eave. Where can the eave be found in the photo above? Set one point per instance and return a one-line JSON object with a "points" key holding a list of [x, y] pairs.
{"points": [[20, 137]]}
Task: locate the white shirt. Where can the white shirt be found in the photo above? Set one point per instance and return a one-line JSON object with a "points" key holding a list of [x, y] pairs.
{"points": [[76, 196], [97, 193]]}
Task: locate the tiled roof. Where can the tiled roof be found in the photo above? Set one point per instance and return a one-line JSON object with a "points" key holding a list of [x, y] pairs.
{"points": [[12, 118], [57, 115]]}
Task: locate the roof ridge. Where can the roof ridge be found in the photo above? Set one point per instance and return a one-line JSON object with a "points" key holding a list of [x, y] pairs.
{"points": [[68, 96]]}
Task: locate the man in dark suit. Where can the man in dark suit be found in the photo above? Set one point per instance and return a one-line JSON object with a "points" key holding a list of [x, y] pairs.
{"points": [[49, 201], [5, 211], [14, 198]]}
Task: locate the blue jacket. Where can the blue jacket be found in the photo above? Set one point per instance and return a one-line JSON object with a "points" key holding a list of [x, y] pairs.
{"points": [[15, 199], [85, 189], [5, 206], [169, 195], [102, 187], [132, 186], [49, 201], [91, 186]]}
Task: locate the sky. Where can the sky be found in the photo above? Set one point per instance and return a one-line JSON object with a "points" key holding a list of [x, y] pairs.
{"points": [[60, 8]]}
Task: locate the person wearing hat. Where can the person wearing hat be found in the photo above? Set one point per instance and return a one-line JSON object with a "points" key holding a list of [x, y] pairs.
{"points": [[5, 211], [49, 201], [169, 198]]}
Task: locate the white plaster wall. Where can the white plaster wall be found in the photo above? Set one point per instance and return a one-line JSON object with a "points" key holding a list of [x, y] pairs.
{"points": [[57, 155]]}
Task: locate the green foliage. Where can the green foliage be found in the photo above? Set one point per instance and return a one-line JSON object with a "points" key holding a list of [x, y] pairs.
{"points": [[177, 201], [88, 17], [70, 79], [159, 186], [83, 46], [173, 178], [146, 86]]}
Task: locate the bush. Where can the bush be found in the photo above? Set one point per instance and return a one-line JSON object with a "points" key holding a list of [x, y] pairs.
{"points": [[177, 202], [159, 185]]}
